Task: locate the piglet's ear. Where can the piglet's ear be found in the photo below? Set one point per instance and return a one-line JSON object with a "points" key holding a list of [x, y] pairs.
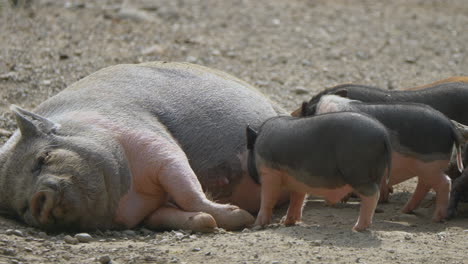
{"points": [[251, 137], [341, 93], [31, 124], [304, 108]]}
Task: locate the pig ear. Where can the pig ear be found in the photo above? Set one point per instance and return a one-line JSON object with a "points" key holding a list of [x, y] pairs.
{"points": [[341, 93], [304, 108], [251, 137], [31, 124]]}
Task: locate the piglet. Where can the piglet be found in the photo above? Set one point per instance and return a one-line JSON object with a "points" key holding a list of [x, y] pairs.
{"points": [[314, 156], [422, 140]]}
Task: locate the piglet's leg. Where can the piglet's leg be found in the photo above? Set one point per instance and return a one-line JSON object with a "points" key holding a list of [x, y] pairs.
{"points": [[384, 190], [442, 189], [366, 211], [419, 193], [179, 180], [169, 217], [271, 190], [296, 203]]}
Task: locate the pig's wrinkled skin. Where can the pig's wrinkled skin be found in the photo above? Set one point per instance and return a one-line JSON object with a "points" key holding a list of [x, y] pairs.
{"points": [[124, 146], [422, 141], [313, 156]]}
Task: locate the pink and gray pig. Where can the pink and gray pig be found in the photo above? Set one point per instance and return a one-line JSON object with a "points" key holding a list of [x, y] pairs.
{"points": [[313, 156]]}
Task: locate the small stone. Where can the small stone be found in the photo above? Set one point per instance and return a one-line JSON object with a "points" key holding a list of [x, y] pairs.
{"points": [[9, 76], [317, 243], [129, 232], [410, 60], [208, 254], [407, 237], [153, 50], [300, 91], [70, 240], [5, 133], [245, 230], [84, 237], [196, 249], [104, 259], [7, 251], [191, 59], [46, 82], [275, 262], [358, 260], [42, 235]]}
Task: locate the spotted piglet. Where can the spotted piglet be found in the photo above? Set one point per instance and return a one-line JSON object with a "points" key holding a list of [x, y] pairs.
{"points": [[313, 156], [422, 140]]}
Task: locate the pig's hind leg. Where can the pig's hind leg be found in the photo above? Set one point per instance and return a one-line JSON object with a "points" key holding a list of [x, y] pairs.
{"points": [[369, 194], [294, 214], [169, 217], [178, 178]]}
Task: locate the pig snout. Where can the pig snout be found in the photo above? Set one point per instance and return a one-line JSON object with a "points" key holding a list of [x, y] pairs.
{"points": [[47, 204], [41, 205]]}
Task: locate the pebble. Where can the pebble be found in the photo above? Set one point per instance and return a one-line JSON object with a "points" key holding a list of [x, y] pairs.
{"points": [[84, 237], [70, 240], [104, 259], [300, 91], [15, 232], [42, 235], [5, 133], [129, 232], [317, 243], [196, 249]]}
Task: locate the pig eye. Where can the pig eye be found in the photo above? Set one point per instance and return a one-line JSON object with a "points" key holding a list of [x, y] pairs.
{"points": [[41, 160]]}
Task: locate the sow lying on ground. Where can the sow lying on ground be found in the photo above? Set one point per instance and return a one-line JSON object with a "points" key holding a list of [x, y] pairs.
{"points": [[125, 145]]}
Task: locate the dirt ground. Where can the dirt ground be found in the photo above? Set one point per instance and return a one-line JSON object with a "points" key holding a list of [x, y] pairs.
{"points": [[290, 50]]}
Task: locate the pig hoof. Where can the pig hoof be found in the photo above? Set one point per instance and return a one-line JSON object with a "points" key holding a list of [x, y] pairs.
{"points": [[289, 221], [201, 222], [234, 218], [438, 217], [357, 228]]}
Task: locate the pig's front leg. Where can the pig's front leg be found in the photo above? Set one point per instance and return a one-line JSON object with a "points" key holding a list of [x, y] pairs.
{"points": [[442, 189], [294, 214], [271, 190]]}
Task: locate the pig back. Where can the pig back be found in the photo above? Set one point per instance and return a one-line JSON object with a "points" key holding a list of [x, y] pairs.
{"points": [[321, 150]]}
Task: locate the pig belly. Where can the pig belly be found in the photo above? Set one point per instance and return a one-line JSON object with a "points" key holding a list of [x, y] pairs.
{"points": [[332, 196], [405, 167], [247, 195]]}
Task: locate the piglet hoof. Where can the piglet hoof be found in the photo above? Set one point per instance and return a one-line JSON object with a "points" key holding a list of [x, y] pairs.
{"points": [[360, 228], [289, 221], [439, 216], [201, 222], [262, 220], [234, 218]]}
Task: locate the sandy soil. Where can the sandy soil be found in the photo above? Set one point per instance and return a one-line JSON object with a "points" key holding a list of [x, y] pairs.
{"points": [[290, 50]]}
